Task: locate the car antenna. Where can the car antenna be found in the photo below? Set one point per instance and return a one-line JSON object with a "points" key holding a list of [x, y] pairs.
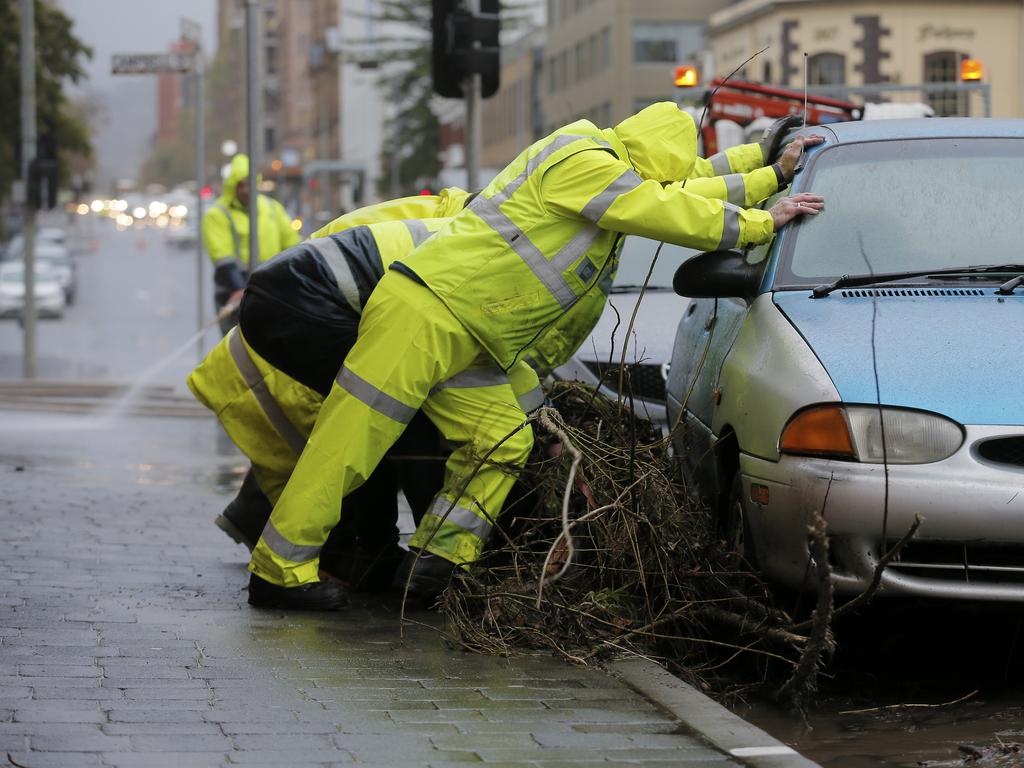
{"points": [[805, 90]]}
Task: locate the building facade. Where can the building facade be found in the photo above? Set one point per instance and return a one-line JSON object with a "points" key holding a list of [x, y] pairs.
{"points": [[606, 59], [866, 42], [514, 117]]}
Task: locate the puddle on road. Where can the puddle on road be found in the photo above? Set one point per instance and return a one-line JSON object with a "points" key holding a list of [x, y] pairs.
{"points": [[960, 667]]}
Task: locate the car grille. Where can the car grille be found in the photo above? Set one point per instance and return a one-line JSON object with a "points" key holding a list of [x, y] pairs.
{"points": [[862, 293], [966, 562], [644, 380], [1003, 450]]}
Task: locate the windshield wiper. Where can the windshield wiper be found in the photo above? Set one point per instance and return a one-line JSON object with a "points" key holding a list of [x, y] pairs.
{"points": [[847, 281], [1007, 288]]}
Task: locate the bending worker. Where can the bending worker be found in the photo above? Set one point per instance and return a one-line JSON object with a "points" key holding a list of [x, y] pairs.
{"points": [[226, 235], [525, 265]]}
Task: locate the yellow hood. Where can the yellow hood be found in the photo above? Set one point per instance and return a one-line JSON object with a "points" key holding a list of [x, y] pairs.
{"points": [[239, 170], [661, 141]]}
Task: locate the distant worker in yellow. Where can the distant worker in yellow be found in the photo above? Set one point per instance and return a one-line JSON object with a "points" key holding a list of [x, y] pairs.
{"points": [[226, 236]]}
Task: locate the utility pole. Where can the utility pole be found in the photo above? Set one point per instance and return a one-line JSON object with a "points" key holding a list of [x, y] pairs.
{"points": [[192, 32], [28, 152], [474, 130], [254, 82]]}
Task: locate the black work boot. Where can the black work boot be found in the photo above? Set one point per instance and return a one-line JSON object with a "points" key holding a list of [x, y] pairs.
{"points": [[318, 596], [430, 576], [246, 516]]}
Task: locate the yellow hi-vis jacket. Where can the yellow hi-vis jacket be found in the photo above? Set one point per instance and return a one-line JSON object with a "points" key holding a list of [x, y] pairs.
{"points": [[226, 231], [267, 413], [533, 254], [444, 204]]}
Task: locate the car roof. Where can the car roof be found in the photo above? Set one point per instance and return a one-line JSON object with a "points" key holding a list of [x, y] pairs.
{"points": [[921, 128]]}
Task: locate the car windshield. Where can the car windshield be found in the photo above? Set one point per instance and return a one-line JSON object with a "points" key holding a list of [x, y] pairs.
{"points": [[635, 261], [903, 206]]}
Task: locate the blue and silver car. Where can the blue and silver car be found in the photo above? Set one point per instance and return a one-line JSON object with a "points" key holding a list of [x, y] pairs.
{"points": [[867, 365]]}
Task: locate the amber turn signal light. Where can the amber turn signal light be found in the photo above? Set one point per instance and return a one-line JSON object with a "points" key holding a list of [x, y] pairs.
{"points": [[818, 431]]}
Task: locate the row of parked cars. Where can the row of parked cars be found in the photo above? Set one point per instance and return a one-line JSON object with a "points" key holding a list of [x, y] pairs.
{"points": [[56, 279], [864, 366]]}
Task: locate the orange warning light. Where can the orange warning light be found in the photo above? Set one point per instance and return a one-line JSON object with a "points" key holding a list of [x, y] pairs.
{"points": [[686, 76], [971, 69]]}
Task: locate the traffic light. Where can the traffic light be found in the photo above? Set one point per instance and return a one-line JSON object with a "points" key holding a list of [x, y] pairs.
{"points": [[43, 174], [455, 56]]}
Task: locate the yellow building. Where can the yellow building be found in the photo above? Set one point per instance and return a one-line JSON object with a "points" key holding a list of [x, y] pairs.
{"points": [[896, 44]]}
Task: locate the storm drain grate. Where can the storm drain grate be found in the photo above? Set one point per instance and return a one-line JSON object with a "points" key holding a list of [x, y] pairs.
{"points": [[1003, 450], [869, 292]]}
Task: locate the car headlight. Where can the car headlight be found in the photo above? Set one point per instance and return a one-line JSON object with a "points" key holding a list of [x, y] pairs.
{"points": [[854, 433]]}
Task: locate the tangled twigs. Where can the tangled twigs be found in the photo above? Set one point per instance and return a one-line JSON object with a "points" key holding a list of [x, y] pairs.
{"points": [[547, 417], [803, 683]]}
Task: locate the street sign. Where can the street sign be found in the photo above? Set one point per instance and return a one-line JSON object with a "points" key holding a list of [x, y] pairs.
{"points": [[150, 63]]}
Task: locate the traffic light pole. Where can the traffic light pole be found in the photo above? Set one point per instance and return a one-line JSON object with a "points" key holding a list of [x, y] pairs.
{"points": [[28, 152], [200, 183], [254, 79], [474, 130]]}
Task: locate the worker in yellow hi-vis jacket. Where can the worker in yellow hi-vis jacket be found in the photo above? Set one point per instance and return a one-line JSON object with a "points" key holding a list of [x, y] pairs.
{"points": [[523, 265], [226, 235]]}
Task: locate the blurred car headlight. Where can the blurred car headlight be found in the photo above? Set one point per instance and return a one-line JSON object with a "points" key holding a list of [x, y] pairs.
{"points": [[854, 433]]}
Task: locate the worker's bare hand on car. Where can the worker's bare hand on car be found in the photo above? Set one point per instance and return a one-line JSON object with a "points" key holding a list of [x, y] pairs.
{"points": [[791, 154], [788, 208]]}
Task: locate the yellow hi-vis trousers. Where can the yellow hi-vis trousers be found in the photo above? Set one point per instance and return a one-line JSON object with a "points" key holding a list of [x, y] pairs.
{"points": [[411, 353]]}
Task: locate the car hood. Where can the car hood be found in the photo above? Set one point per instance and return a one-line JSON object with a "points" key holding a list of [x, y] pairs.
{"points": [[653, 330], [954, 352]]}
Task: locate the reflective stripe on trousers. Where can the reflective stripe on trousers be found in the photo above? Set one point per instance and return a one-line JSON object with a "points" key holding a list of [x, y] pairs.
{"points": [[255, 381]]}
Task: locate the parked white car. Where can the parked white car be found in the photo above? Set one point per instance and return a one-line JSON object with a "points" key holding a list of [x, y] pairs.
{"points": [[649, 347], [49, 294], [59, 261]]}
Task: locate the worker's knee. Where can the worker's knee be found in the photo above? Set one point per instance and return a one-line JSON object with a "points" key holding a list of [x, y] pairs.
{"points": [[517, 447]]}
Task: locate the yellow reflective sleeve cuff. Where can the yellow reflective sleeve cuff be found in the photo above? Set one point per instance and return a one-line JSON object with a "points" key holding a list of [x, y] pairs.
{"points": [[760, 184], [755, 227]]}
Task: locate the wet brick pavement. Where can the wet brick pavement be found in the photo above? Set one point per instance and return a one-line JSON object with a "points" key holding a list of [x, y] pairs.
{"points": [[125, 638]]}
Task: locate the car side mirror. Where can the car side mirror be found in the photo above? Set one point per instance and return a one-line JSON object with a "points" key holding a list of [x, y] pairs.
{"points": [[718, 275]]}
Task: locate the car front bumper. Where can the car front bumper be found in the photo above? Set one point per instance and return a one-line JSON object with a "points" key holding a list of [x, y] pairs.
{"points": [[970, 544]]}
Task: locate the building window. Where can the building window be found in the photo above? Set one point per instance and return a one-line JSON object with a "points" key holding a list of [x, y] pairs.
{"points": [[944, 67], [826, 69], [766, 72], [666, 43]]}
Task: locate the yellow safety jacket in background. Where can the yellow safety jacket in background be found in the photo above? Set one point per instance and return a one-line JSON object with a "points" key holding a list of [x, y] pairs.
{"points": [[444, 204], [226, 231], [540, 239]]}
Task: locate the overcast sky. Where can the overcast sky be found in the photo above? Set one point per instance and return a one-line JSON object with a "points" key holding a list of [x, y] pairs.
{"points": [[129, 101], [140, 26]]}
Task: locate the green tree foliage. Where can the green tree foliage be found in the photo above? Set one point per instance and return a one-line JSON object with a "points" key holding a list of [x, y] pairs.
{"points": [[59, 57]]}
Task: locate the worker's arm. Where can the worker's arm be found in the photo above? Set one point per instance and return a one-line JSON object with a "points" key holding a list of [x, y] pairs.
{"points": [[740, 159], [220, 242], [744, 189], [596, 186]]}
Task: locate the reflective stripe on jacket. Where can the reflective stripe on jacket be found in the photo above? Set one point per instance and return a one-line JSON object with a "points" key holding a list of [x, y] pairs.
{"points": [[740, 159], [541, 237]]}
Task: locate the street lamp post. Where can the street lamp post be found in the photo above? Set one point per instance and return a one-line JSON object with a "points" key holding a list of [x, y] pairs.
{"points": [[28, 152]]}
